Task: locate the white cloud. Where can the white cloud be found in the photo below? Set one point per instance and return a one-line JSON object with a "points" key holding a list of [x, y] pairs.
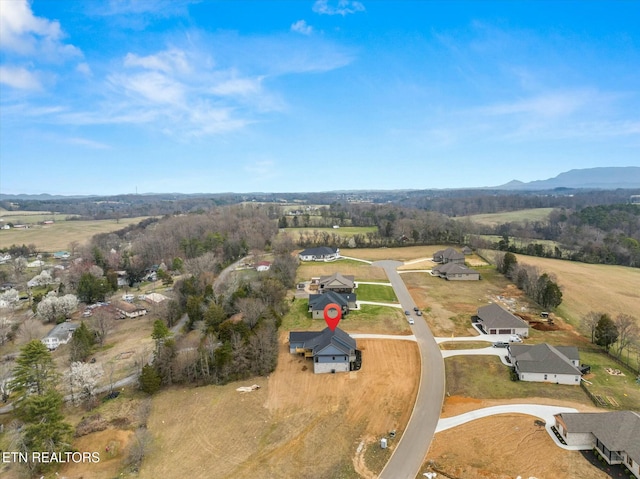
{"points": [[20, 78], [84, 68], [168, 61], [152, 86], [301, 27], [237, 86], [88, 143], [25, 34], [344, 7]]}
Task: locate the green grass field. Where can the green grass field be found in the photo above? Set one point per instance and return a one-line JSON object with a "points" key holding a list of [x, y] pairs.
{"points": [[492, 219], [56, 237], [373, 292]]}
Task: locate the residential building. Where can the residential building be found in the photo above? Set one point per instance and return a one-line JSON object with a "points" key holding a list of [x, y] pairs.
{"points": [[546, 363], [615, 435], [331, 351], [338, 283], [448, 255], [321, 253], [494, 319]]}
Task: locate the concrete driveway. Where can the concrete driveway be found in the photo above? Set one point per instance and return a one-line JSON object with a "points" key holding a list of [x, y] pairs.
{"points": [[545, 413], [406, 460]]}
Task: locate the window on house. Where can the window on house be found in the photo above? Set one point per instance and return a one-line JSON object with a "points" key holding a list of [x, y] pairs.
{"points": [[333, 358], [545, 377]]}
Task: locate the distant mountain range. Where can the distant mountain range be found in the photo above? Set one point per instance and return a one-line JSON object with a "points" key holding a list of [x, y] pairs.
{"points": [[603, 178]]}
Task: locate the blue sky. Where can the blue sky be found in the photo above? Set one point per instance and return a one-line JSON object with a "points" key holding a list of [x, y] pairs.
{"points": [[110, 97]]}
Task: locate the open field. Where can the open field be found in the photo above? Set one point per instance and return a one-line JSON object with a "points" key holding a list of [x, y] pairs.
{"points": [[400, 254], [56, 237], [296, 425], [592, 287], [343, 231], [505, 446], [520, 216]]}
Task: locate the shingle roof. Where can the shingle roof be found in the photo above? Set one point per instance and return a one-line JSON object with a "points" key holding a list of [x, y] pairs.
{"points": [[318, 340], [458, 269], [320, 301], [618, 431], [345, 280], [319, 251], [495, 316], [541, 358]]}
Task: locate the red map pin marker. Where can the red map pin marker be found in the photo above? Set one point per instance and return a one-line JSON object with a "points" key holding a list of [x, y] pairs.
{"points": [[332, 315]]}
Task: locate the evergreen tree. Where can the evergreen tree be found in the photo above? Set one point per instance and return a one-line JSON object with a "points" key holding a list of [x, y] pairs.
{"points": [[149, 379], [34, 372], [81, 343], [606, 332]]}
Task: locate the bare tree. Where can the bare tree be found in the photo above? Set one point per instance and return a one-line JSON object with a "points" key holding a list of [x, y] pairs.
{"points": [[19, 267], [5, 380], [102, 323], [31, 329], [140, 446], [628, 331], [591, 321], [252, 310]]}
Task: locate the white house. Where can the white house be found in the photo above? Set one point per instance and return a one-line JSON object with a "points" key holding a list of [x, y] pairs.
{"points": [[60, 334], [615, 435], [546, 363], [321, 253]]}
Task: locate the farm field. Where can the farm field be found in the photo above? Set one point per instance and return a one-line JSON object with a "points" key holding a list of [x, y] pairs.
{"points": [[520, 216], [407, 253], [592, 287], [297, 424], [56, 237]]}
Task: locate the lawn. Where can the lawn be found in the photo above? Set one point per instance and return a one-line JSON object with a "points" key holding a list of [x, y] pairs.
{"points": [[56, 237], [361, 271], [369, 319], [619, 392], [485, 377], [376, 293]]}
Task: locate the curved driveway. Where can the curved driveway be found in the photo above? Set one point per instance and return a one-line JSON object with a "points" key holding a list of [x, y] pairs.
{"points": [[407, 459]]}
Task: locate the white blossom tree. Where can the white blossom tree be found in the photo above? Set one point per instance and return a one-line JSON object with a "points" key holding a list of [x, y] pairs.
{"points": [[9, 299], [41, 279], [82, 381], [53, 308]]}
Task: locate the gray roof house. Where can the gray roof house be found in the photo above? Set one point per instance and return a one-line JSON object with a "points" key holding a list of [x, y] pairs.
{"points": [[616, 435], [317, 303], [546, 363], [337, 282], [494, 319], [60, 334], [448, 255], [321, 253], [455, 272], [331, 351]]}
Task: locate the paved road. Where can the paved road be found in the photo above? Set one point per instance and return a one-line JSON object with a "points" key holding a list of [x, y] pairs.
{"points": [[407, 459]]}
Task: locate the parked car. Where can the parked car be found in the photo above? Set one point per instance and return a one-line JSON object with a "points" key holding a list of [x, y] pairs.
{"points": [[515, 339], [407, 312], [500, 344], [419, 313], [411, 321], [416, 309]]}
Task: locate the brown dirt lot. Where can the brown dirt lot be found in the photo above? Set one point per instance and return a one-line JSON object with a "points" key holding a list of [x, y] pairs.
{"points": [[504, 446], [296, 425], [361, 271]]}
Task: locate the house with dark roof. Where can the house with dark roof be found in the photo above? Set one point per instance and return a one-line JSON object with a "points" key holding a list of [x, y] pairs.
{"points": [[337, 283], [321, 253], [494, 319], [317, 303], [615, 435], [331, 351], [546, 363], [448, 255], [455, 272]]}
